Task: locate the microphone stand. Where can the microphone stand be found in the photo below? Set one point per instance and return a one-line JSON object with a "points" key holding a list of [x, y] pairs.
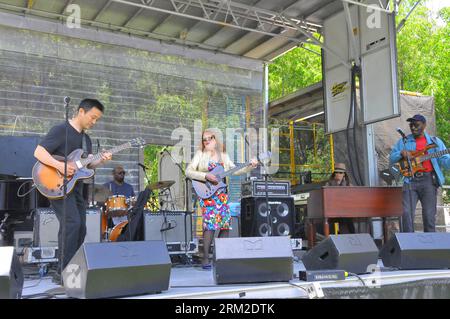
{"points": [[409, 185], [63, 231], [187, 211]]}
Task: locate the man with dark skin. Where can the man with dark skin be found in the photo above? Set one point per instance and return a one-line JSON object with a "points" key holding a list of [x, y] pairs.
{"points": [[424, 184], [118, 186]]}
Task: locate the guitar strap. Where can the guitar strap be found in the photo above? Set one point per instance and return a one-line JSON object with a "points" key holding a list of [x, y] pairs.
{"points": [[84, 146]]}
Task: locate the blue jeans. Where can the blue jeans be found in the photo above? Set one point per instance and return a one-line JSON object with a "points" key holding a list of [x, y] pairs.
{"points": [[423, 189]]}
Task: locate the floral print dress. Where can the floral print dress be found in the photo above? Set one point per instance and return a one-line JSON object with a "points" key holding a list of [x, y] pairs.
{"points": [[215, 210]]}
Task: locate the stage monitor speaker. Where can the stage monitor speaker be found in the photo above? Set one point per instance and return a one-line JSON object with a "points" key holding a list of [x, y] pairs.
{"points": [[252, 259], [254, 216], [103, 270], [168, 226], [349, 252], [417, 251], [11, 275], [46, 226]]}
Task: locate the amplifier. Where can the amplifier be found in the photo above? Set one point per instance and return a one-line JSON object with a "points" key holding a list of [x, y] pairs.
{"points": [[168, 226], [257, 188], [46, 226]]}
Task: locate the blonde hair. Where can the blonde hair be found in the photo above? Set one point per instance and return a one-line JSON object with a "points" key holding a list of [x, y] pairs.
{"points": [[220, 146]]}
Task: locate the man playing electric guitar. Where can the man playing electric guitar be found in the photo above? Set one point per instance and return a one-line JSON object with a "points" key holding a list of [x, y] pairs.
{"points": [[427, 176], [88, 113]]}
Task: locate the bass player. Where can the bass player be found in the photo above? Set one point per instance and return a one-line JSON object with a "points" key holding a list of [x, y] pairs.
{"points": [[423, 184]]}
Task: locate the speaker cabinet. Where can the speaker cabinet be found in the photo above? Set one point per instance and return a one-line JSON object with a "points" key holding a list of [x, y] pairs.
{"points": [[170, 226], [254, 220], [16, 155], [252, 259], [46, 226], [417, 251], [11, 275], [103, 270], [349, 252]]}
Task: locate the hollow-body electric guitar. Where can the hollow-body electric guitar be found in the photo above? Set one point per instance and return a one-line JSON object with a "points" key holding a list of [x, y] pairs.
{"points": [[50, 182], [207, 189]]}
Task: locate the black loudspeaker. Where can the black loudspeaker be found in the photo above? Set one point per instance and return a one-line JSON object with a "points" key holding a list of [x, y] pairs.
{"points": [[254, 216], [417, 251], [252, 259], [103, 270], [352, 253], [16, 155], [11, 276]]}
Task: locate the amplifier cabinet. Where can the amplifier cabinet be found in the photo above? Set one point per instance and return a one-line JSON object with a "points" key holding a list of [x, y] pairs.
{"points": [[46, 226]]}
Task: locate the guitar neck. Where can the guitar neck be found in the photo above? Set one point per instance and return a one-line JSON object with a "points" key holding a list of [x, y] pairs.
{"points": [[434, 155], [89, 160], [233, 170]]}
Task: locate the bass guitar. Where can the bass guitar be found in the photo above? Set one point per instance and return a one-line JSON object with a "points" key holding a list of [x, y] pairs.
{"points": [[50, 182], [207, 189], [418, 157]]}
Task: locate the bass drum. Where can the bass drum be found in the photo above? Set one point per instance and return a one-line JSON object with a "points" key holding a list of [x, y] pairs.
{"points": [[118, 230]]}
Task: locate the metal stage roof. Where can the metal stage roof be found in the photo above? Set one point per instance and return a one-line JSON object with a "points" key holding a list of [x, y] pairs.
{"points": [[256, 29]]}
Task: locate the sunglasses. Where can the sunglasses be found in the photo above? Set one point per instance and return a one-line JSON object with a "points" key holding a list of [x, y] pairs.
{"points": [[207, 139], [414, 124], [339, 172], [121, 173]]}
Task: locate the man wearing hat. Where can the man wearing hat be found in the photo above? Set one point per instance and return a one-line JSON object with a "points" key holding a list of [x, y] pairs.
{"points": [[424, 184], [339, 177]]}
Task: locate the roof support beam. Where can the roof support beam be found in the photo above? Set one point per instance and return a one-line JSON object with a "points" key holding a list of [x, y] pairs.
{"points": [[237, 11], [102, 10]]}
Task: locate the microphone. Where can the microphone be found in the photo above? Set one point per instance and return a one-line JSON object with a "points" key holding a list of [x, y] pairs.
{"points": [[98, 145], [66, 100], [143, 166], [399, 131]]}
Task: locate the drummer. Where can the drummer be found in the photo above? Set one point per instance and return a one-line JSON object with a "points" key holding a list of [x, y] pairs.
{"points": [[119, 187]]}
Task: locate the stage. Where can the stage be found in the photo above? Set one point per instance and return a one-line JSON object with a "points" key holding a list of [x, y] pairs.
{"points": [[192, 282]]}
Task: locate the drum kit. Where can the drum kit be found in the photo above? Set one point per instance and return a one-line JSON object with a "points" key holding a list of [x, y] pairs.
{"points": [[119, 206]]}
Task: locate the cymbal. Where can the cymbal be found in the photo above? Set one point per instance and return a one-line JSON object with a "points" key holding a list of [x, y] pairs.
{"points": [[161, 185], [101, 193]]}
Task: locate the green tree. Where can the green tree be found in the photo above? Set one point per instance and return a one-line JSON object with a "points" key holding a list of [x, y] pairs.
{"points": [[424, 61], [296, 69]]}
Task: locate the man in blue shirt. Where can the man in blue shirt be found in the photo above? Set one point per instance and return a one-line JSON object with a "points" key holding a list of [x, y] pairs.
{"points": [[118, 187], [425, 182]]}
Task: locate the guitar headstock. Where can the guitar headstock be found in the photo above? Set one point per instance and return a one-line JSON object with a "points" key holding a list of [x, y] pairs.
{"points": [[137, 142]]}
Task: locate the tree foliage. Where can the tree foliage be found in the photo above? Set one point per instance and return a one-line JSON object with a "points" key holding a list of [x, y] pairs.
{"points": [[294, 70]]}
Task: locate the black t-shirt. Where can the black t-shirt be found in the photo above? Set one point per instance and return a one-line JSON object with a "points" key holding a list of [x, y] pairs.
{"points": [[54, 141]]}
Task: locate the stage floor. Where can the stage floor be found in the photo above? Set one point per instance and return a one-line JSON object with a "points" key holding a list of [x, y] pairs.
{"points": [[192, 282]]}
